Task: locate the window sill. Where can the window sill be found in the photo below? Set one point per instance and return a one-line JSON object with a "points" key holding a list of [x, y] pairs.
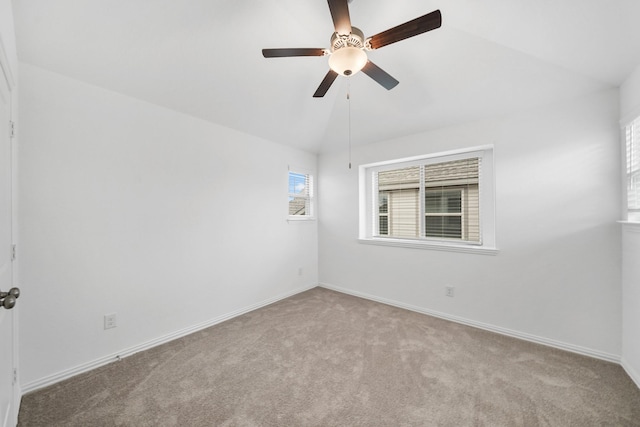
{"points": [[430, 246], [301, 218], [631, 225]]}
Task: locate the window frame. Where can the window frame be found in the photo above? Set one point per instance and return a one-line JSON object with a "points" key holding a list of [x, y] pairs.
{"points": [[368, 232], [631, 216], [310, 197]]}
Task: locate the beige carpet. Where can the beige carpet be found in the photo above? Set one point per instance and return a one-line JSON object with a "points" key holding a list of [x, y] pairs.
{"points": [[322, 358]]}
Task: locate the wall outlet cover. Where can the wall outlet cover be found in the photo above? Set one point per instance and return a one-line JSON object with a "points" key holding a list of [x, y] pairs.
{"points": [[110, 321]]}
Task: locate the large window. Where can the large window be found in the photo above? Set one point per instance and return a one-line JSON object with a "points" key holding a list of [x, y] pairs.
{"points": [[632, 133], [300, 195], [442, 200]]}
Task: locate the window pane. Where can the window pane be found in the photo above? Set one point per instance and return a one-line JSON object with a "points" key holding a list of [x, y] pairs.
{"points": [[300, 194], [398, 199], [444, 226], [432, 202], [447, 173], [633, 191], [633, 169], [297, 183], [404, 213], [443, 201], [398, 179], [297, 206], [383, 202], [384, 225], [633, 146]]}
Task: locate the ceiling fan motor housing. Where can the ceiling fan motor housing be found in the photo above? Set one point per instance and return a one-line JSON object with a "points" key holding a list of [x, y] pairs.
{"points": [[355, 39], [347, 52]]}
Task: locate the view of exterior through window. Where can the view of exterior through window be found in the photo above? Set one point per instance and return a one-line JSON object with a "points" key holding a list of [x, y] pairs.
{"points": [[633, 170], [437, 201], [300, 195], [432, 201]]}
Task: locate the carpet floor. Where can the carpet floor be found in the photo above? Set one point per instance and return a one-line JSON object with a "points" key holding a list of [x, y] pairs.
{"points": [[322, 358]]}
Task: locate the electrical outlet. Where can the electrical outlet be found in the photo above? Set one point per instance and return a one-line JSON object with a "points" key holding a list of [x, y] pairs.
{"points": [[449, 291], [110, 321]]}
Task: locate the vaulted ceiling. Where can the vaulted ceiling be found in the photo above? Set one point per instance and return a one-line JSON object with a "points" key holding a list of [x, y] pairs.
{"points": [[203, 58]]}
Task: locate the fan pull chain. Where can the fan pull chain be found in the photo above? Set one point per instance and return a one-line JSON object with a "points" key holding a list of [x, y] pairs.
{"points": [[349, 103]]}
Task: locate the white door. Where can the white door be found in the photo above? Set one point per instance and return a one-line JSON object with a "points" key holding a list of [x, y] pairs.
{"points": [[7, 362]]}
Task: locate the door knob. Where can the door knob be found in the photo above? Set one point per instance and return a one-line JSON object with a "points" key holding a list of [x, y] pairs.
{"points": [[8, 299]]}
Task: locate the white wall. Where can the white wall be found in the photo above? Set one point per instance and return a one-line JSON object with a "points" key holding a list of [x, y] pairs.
{"points": [[630, 105], [8, 36], [557, 275], [630, 95], [129, 208]]}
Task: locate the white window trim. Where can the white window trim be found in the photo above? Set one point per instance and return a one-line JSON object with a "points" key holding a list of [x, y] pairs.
{"points": [[487, 203], [300, 218], [312, 195]]}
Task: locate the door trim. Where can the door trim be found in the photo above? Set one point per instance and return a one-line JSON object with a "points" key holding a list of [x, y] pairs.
{"points": [[11, 418]]}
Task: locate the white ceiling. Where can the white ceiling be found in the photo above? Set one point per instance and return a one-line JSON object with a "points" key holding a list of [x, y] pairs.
{"points": [[203, 58]]}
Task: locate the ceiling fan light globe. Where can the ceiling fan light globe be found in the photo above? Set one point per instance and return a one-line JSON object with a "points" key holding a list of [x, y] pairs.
{"points": [[348, 60]]}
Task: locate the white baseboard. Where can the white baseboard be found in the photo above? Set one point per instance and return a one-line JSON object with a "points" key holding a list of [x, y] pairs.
{"points": [[85, 367], [633, 374], [488, 327]]}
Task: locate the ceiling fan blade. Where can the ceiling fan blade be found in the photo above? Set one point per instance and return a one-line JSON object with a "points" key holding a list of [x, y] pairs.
{"points": [[379, 75], [340, 14], [326, 84], [420, 25], [280, 53]]}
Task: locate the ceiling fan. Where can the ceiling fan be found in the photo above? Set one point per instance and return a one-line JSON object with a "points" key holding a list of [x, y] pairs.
{"points": [[348, 50]]}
